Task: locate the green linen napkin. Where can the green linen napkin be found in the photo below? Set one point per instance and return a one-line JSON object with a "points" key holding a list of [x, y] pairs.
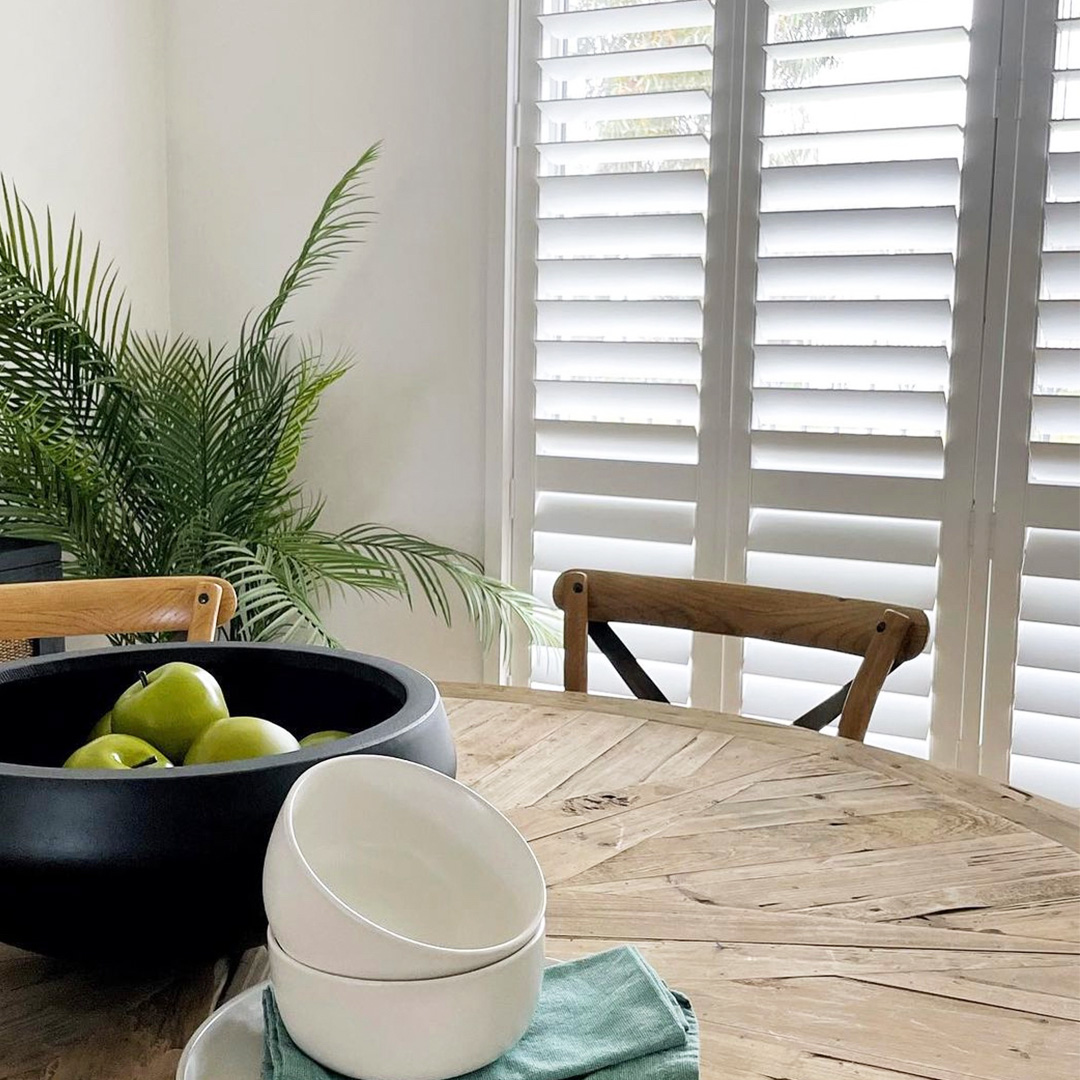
{"points": [[607, 1017]]}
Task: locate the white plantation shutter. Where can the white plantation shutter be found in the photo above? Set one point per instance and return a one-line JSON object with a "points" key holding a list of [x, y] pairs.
{"points": [[842, 413], [1045, 750], [623, 147], [862, 147]]}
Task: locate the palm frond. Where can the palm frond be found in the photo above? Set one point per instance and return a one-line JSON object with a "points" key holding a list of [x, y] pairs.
{"points": [[63, 323], [441, 572], [332, 233], [52, 488], [278, 583], [266, 608]]}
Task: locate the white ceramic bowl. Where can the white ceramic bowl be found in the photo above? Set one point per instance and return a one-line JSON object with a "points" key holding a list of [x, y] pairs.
{"points": [[426, 1029], [378, 868]]}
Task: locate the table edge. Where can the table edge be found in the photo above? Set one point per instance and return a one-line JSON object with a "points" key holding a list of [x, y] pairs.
{"points": [[1050, 819]]}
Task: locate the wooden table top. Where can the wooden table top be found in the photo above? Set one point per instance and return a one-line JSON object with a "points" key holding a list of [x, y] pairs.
{"points": [[833, 911]]}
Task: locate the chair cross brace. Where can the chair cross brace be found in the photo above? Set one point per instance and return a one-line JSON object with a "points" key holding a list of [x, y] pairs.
{"points": [[637, 679]]}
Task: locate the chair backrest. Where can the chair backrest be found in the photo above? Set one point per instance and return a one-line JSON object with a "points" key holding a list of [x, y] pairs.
{"points": [[884, 635], [41, 609]]}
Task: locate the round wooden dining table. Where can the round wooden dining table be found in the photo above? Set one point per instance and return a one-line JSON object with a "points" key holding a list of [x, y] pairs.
{"points": [[833, 911]]}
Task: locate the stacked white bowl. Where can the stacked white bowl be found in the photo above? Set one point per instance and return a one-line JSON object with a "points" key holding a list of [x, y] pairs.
{"points": [[406, 921]]}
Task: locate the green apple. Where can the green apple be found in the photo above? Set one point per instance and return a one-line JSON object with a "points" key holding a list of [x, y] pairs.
{"points": [[317, 737], [102, 727], [117, 752], [170, 707], [238, 737]]}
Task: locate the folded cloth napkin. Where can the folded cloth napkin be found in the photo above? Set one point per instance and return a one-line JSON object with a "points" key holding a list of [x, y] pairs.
{"points": [[607, 1017]]}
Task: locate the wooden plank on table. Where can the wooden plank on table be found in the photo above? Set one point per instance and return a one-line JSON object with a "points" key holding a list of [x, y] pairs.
{"points": [[569, 852], [1053, 919], [815, 776], [896, 1028], [465, 715], [674, 851], [66, 1023], [737, 1055], [943, 904], [704, 962], [695, 755], [630, 761], [1048, 818], [667, 914], [827, 806], [536, 771], [699, 719], [739, 760], [957, 986], [489, 744], [801, 884], [1060, 980]]}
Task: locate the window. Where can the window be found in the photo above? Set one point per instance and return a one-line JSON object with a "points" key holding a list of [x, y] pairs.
{"points": [[756, 339]]}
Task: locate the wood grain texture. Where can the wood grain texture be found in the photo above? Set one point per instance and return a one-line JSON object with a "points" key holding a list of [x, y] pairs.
{"points": [[721, 607], [835, 912], [882, 655], [197, 605], [575, 593]]}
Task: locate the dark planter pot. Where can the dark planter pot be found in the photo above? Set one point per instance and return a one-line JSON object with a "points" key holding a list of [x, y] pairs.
{"points": [[22, 561], [145, 868]]}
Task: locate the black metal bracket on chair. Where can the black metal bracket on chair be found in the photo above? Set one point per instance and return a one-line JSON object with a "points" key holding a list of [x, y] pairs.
{"points": [[623, 661], [821, 716]]}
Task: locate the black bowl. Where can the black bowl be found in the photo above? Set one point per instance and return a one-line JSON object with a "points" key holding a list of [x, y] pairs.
{"points": [[150, 867]]}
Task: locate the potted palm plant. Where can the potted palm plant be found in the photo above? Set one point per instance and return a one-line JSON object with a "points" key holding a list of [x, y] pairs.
{"points": [[147, 455]]}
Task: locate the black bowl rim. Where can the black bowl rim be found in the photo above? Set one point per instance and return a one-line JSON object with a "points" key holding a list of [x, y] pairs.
{"points": [[421, 696]]}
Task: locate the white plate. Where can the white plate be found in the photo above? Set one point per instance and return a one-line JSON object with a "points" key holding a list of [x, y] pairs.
{"points": [[229, 1043]]}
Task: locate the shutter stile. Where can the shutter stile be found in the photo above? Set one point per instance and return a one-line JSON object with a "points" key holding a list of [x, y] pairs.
{"points": [[622, 154], [1045, 753], [861, 154]]}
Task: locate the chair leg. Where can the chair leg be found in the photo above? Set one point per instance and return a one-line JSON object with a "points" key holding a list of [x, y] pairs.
{"points": [[576, 633], [877, 663]]}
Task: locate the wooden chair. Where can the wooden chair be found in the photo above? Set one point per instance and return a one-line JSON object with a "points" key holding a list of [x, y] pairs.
{"points": [[42, 609], [884, 635]]}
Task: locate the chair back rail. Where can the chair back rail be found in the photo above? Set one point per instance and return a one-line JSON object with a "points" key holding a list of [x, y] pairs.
{"points": [[197, 605], [885, 635]]}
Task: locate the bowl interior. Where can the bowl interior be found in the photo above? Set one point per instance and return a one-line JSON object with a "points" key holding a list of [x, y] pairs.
{"points": [[416, 854], [50, 705]]}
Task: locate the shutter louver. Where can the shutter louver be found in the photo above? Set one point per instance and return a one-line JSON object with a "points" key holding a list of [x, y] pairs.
{"points": [[624, 108], [1045, 754], [862, 148]]}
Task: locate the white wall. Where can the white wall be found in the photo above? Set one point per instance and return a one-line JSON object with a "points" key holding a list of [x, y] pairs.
{"points": [[82, 101], [269, 101], [197, 138]]}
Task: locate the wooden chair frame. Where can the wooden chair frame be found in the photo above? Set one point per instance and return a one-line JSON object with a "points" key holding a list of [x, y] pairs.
{"points": [[41, 609], [884, 635]]}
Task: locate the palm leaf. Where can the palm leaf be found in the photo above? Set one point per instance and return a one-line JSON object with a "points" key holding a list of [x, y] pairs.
{"points": [[441, 572], [61, 325], [331, 234]]}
